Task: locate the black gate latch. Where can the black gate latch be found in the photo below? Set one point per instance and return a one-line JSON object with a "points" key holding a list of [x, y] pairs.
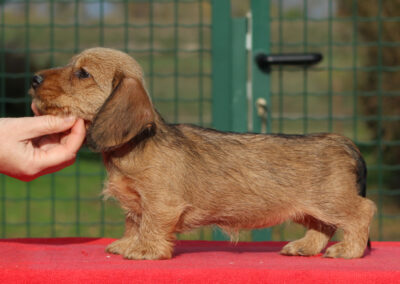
{"points": [[265, 61]]}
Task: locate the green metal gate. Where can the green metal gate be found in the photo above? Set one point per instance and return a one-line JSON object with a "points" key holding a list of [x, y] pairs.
{"points": [[234, 41]]}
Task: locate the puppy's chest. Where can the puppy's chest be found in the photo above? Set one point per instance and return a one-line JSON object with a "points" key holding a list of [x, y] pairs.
{"points": [[123, 189]]}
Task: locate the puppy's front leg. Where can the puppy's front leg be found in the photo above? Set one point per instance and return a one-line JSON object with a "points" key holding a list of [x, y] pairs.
{"points": [[130, 236], [151, 238]]}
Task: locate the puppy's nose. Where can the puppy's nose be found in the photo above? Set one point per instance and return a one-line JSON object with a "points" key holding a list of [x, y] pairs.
{"points": [[37, 80]]}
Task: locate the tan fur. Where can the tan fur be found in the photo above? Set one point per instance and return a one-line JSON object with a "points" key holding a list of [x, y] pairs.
{"points": [[173, 178]]}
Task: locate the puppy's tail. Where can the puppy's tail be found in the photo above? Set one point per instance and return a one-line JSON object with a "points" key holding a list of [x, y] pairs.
{"points": [[361, 167], [362, 180], [361, 176], [361, 170]]}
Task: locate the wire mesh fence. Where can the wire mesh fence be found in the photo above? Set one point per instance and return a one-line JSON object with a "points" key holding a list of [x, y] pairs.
{"points": [[354, 91]]}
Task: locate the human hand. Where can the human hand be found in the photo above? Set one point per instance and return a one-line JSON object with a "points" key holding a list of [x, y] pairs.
{"points": [[34, 146]]}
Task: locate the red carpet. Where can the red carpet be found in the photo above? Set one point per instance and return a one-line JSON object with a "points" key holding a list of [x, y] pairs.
{"points": [[77, 260]]}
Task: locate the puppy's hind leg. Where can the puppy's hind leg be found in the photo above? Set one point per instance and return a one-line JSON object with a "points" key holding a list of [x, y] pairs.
{"points": [[314, 241], [355, 225]]}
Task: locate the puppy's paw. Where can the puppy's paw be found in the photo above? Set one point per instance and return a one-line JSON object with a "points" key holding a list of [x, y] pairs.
{"points": [[118, 246], [344, 250], [149, 253], [133, 248], [300, 247]]}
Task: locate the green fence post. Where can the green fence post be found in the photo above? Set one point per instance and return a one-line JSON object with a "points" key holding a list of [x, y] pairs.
{"points": [[239, 75], [221, 65], [260, 44], [221, 38], [260, 10]]}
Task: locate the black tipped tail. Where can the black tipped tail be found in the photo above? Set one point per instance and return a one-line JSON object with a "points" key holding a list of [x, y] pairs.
{"points": [[361, 176], [362, 182]]}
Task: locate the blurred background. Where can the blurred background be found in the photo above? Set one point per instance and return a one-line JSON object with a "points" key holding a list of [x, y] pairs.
{"points": [[198, 57]]}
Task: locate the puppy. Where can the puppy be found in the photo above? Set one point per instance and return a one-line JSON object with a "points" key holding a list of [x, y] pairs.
{"points": [[171, 178]]}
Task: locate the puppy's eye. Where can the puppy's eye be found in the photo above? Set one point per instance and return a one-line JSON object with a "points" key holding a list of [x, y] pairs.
{"points": [[82, 74]]}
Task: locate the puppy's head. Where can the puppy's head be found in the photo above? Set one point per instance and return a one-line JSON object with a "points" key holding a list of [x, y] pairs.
{"points": [[104, 87]]}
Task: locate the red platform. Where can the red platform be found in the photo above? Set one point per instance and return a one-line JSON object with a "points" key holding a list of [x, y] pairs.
{"points": [[76, 260]]}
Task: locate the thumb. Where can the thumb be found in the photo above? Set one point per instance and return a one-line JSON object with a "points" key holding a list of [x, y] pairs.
{"points": [[46, 124]]}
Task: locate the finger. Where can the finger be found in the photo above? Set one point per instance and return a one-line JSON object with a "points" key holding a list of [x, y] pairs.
{"points": [[29, 177], [55, 157], [74, 139], [56, 168], [33, 127], [48, 141], [63, 154], [67, 149]]}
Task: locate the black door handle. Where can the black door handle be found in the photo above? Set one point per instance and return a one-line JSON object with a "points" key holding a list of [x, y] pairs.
{"points": [[264, 61]]}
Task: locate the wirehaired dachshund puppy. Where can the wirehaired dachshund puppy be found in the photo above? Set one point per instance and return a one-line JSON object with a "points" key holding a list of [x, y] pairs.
{"points": [[171, 178]]}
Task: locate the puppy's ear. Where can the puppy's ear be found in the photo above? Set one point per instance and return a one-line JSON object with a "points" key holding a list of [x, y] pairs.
{"points": [[126, 113]]}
